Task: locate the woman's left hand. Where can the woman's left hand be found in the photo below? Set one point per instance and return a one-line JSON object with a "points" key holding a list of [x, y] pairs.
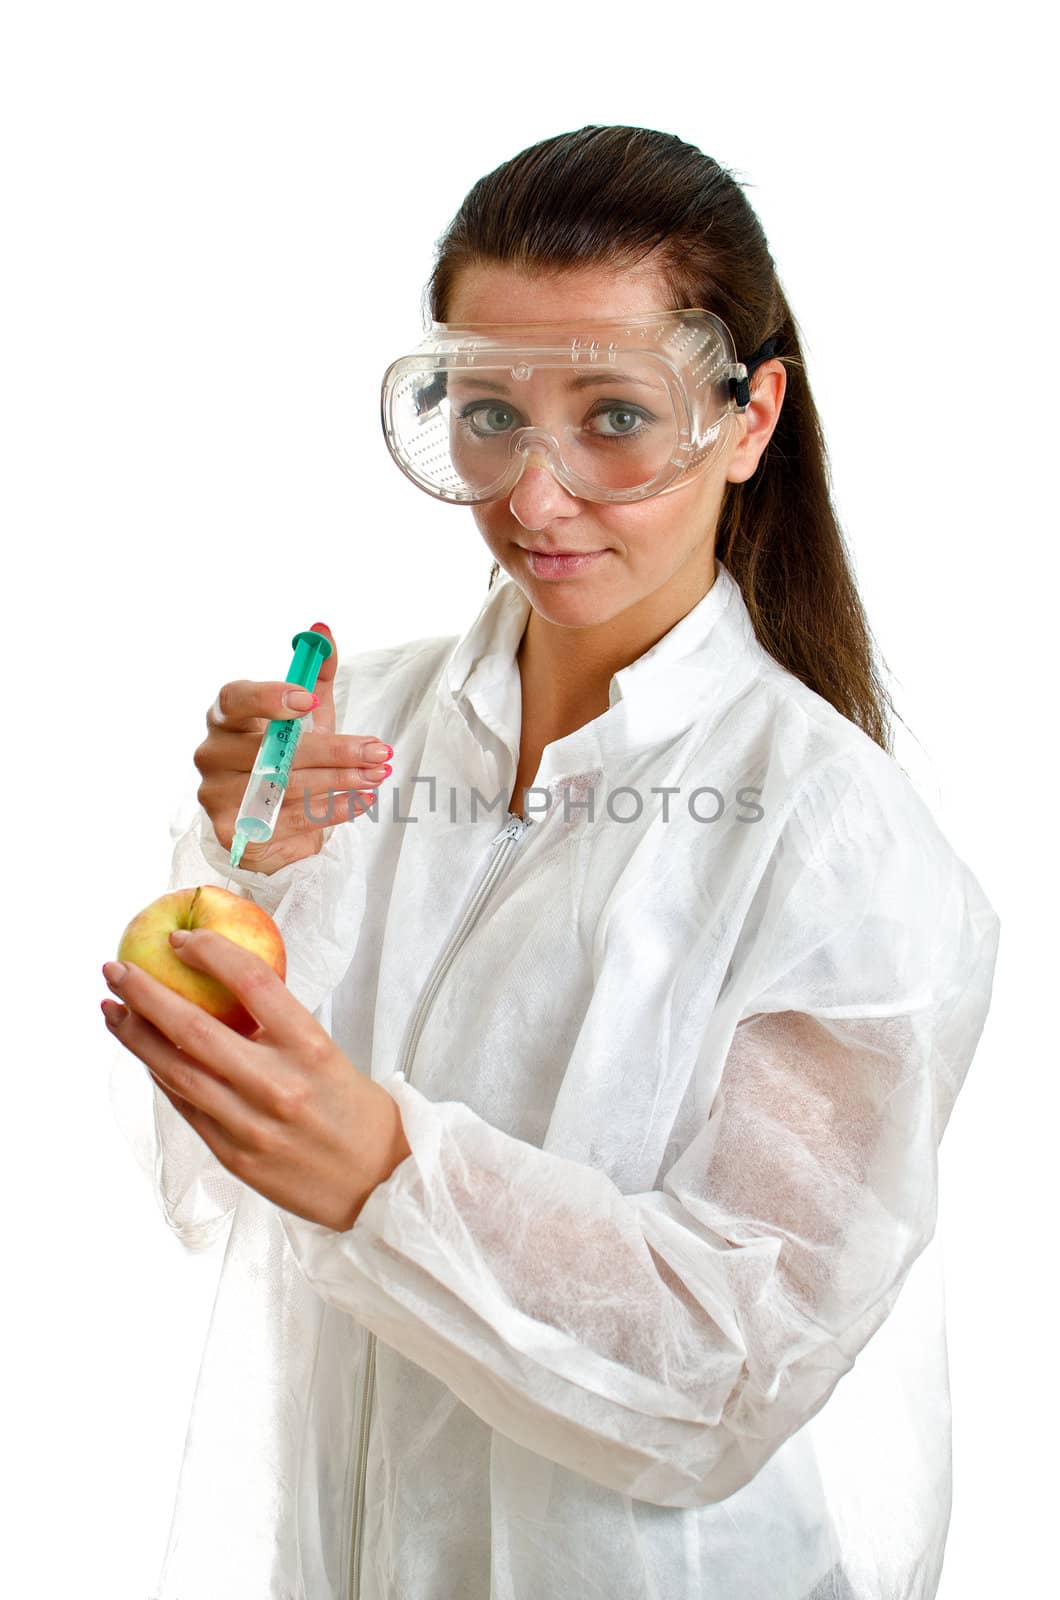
{"points": [[284, 1110]]}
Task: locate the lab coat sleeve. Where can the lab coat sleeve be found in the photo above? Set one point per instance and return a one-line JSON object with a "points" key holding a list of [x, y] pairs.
{"points": [[665, 1344], [317, 904]]}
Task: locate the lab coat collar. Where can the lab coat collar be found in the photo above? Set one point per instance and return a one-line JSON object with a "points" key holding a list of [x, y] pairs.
{"points": [[687, 674], [485, 655]]}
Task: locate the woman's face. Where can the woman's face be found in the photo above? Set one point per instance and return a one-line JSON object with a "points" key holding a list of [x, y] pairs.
{"points": [[662, 546]]}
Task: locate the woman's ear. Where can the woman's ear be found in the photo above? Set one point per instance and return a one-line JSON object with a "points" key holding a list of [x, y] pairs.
{"points": [[768, 384]]}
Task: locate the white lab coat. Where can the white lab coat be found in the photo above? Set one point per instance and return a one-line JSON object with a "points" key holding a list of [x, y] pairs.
{"points": [[674, 1105]]}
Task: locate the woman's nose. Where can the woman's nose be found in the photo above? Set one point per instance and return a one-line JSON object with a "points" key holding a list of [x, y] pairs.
{"points": [[538, 499]]}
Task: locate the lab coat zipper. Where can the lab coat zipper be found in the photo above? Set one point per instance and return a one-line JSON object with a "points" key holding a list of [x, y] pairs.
{"points": [[510, 835]]}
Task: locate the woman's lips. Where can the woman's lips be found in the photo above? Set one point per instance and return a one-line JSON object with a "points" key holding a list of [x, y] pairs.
{"points": [[557, 564]]}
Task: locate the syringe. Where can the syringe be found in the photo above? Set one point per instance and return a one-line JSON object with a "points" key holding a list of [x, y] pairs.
{"points": [[268, 781]]}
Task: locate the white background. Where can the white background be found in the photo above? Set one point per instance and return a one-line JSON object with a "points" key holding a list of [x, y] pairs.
{"points": [[218, 220]]}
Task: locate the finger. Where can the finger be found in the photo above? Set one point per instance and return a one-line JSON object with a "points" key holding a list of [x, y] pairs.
{"points": [[206, 1102], [205, 1039], [358, 752], [300, 835], [253, 982], [209, 1131], [306, 813], [246, 706], [324, 715], [313, 794], [298, 820], [331, 755]]}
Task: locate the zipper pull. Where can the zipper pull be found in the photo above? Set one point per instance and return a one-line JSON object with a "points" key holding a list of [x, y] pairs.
{"points": [[514, 828]]}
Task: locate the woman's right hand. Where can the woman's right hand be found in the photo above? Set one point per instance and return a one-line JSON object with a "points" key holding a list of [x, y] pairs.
{"points": [[347, 765]]}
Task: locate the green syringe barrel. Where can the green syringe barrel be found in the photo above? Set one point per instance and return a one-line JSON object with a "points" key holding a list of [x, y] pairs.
{"points": [[268, 780]]}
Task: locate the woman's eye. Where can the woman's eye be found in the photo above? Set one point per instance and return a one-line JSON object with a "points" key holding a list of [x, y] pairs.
{"points": [[488, 417], [616, 422]]}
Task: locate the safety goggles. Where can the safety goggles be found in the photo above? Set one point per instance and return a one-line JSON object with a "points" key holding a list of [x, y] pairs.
{"points": [[618, 410]]}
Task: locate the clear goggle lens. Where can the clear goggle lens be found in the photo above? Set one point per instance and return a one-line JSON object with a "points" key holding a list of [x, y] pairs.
{"points": [[610, 422]]}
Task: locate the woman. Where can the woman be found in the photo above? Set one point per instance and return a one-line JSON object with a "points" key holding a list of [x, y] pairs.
{"points": [[595, 1135]]}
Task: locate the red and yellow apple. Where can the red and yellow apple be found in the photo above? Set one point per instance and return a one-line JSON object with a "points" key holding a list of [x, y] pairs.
{"points": [[146, 942]]}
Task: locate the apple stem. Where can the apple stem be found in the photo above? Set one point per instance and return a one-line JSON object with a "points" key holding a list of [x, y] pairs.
{"points": [[191, 907]]}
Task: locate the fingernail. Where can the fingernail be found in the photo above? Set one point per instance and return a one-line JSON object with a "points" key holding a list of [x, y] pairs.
{"points": [[178, 937], [300, 700], [380, 752], [114, 971]]}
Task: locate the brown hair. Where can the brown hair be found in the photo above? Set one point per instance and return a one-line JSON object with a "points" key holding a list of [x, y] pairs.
{"points": [[615, 195]]}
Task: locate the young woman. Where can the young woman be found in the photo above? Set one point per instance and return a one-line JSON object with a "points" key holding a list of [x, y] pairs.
{"points": [[594, 1136]]}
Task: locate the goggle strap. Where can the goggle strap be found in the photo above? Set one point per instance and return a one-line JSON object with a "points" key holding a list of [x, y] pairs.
{"points": [[740, 388]]}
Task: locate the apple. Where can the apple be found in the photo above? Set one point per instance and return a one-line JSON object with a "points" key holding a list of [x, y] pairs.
{"points": [[146, 942]]}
